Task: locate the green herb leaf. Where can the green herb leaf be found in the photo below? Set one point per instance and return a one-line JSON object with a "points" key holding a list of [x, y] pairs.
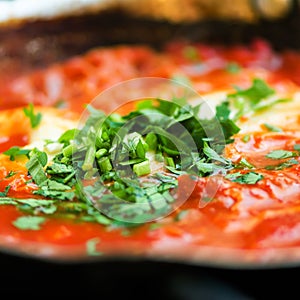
{"points": [[104, 143], [29, 222], [223, 111], [91, 247], [55, 190], [269, 103], [253, 99], [247, 178], [210, 168], [284, 165], [10, 174], [60, 104], [244, 164], [233, 68], [7, 201], [15, 151], [38, 206], [151, 140], [181, 215], [258, 91], [213, 155], [35, 169], [67, 136], [59, 169], [297, 147], [40, 155], [246, 138], [154, 226], [281, 154], [35, 119], [4, 194], [272, 127]]}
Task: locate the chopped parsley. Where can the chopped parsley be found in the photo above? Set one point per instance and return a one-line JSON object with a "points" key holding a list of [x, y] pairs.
{"points": [[256, 98], [4, 193], [297, 147], [104, 149], [154, 226], [181, 215], [10, 174], [91, 247], [15, 152], [36, 206], [287, 164], [40, 204], [113, 153], [67, 136], [258, 91], [246, 138], [29, 222], [56, 190], [61, 104], [7, 201], [281, 154], [247, 178], [243, 163], [35, 119], [35, 167]]}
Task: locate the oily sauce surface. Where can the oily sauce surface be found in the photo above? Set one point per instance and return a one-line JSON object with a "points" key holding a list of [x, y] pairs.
{"points": [[265, 215]]}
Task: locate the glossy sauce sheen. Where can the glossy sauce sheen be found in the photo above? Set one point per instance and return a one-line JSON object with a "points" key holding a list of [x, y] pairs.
{"points": [[265, 215]]}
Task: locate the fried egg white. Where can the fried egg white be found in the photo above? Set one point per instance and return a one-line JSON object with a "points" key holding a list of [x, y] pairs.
{"points": [[53, 124], [284, 115]]}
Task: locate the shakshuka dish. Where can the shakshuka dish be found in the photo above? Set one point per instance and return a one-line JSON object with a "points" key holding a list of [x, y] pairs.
{"points": [[156, 177]]}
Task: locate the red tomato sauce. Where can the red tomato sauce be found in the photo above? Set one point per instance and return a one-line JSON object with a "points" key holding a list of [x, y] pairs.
{"points": [[240, 216], [7, 142], [80, 79]]}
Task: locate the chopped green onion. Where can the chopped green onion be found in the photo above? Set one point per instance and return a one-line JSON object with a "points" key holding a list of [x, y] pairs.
{"points": [[170, 161], [151, 140], [100, 153], [69, 150], [89, 158], [105, 164], [142, 168]]}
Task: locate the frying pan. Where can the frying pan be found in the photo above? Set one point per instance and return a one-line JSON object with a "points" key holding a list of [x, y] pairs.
{"points": [[139, 277]]}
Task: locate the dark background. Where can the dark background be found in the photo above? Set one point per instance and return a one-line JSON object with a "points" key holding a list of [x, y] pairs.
{"points": [[40, 43], [143, 279]]}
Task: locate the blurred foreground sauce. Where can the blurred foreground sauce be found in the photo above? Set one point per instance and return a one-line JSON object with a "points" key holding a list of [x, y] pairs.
{"points": [[79, 79]]}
